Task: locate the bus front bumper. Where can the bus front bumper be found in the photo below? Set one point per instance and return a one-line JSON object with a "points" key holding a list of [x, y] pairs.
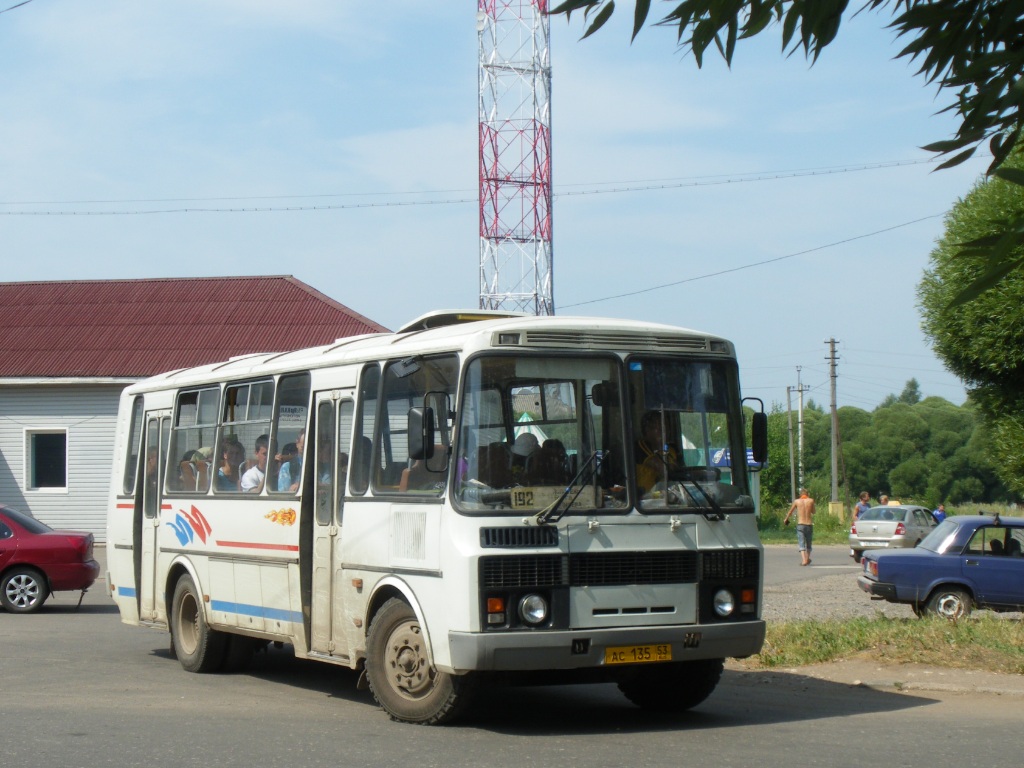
{"points": [[581, 649]]}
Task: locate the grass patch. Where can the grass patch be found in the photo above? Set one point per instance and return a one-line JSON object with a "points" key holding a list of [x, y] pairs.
{"points": [[827, 528], [983, 641]]}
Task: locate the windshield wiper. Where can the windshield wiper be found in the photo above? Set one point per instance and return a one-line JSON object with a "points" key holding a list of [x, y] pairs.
{"points": [[715, 511], [553, 512]]}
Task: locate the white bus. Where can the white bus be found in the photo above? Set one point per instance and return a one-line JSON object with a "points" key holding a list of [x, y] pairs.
{"points": [[467, 499]]}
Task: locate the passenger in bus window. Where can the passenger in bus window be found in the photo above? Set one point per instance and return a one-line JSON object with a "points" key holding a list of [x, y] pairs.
{"points": [[324, 453], [151, 474], [653, 456], [232, 454], [291, 465], [524, 447], [252, 480]]}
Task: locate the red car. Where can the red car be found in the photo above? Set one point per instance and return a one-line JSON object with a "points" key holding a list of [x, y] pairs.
{"points": [[36, 560]]}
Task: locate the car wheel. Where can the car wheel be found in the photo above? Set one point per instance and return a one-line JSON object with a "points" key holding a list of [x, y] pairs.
{"points": [[949, 603], [23, 590], [198, 648], [399, 673], [857, 556]]}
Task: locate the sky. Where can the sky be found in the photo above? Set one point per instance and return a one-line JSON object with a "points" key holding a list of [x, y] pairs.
{"points": [[775, 203]]}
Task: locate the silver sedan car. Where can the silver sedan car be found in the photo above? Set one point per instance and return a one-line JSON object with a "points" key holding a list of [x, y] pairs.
{"points": [[891, 527]]}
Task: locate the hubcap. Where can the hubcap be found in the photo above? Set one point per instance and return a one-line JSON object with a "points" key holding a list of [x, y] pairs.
{"points": [[188, 624], [406, 661], [950, 606], [23, 591]]}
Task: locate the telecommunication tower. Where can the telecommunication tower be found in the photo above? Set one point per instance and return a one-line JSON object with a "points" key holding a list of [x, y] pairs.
{"points": [[515, 156]]}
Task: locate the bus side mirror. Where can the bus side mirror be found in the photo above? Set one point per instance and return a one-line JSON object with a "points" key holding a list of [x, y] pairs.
{"points": [[759, 437], [421, 433]]}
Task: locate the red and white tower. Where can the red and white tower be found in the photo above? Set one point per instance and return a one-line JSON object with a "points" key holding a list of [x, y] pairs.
{"points": [[515, 156]]}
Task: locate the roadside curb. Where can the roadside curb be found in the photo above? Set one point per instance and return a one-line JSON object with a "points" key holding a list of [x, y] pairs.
{"points": [[914, 678]]}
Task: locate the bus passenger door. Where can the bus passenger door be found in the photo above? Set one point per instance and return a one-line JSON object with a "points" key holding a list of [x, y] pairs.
{"points": [[158, 430], [331, 452]]}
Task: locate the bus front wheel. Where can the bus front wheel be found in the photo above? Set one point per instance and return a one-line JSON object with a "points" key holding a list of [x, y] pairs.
{"points": [[673, 687], [400, 675], [198, 648]]}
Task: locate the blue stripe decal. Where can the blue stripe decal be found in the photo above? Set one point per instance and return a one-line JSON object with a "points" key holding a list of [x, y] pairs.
{"points": [[278, 614], [126, 592]]}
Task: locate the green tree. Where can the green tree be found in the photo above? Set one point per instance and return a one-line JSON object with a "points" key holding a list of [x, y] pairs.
{"points": [[982, 341], [970, 48]]}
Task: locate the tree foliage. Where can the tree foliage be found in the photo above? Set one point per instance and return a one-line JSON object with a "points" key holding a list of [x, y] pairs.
{"points": [[982, 341], [927, 452], [971, 48]]}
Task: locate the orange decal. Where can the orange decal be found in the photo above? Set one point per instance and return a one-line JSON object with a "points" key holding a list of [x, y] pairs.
{"points": [[282, 516]]}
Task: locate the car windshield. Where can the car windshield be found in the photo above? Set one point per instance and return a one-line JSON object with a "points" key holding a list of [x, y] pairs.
{"points": [[27, 522], [885, 513], [940, 537]]}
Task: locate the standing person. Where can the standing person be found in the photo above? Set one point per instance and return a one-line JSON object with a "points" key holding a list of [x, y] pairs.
{"points": [[253, 479], [939, 513], [883, 500], [862, 505], [804, 507]]}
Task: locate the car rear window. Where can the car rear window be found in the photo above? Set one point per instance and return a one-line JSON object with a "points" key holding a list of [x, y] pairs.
{"points": [[885, 513], [27, 522]]}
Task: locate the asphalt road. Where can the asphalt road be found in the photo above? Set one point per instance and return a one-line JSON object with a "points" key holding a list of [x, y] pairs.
{"points": [[78, 688], [782, 563]]}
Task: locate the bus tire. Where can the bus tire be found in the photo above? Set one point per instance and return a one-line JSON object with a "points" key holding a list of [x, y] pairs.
{"points": [[400, 675], [674, 687], [198, 648], [238, 653]]}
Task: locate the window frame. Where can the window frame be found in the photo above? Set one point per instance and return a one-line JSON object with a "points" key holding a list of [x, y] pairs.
{"points": [[29, 469]]}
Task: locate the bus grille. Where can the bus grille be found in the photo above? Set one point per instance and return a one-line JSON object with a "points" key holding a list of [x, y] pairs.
{"points": [[731, 564], [521, 571], [519, 537], [589, 570], [620, 568]]}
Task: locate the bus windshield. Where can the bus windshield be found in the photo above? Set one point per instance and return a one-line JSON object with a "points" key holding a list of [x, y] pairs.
{"points": [[531, 427]]}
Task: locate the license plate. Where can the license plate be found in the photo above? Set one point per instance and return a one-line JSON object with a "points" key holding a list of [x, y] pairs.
{"points": [[637, 654]]}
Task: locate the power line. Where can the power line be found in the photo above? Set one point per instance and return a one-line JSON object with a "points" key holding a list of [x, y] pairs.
{"points": [[630, 186], [26, 2], [754, 264]]}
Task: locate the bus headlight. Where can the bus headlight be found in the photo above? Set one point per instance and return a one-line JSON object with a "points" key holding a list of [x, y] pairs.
{"points": [[533, 610], [725, 603]]}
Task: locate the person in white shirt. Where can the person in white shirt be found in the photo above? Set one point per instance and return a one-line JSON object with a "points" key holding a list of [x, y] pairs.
{"points": [[253, 479]]}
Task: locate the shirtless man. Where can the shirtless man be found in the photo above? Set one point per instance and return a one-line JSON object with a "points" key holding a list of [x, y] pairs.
{"points": [[804, 507]]}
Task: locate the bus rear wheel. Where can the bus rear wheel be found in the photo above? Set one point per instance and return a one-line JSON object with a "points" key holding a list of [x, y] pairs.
{"points": [[198, 648], [400, 675], [673, 687]]}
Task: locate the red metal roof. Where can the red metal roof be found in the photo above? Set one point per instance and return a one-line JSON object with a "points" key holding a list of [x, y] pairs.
{"points": [[136, 328]]}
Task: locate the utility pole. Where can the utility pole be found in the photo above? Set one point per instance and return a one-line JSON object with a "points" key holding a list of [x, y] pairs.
{"points": [[835, 419], [792, 462], [800, 428]]}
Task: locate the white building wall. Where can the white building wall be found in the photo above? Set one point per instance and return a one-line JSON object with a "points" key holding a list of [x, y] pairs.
{"points": [[88, 413]]}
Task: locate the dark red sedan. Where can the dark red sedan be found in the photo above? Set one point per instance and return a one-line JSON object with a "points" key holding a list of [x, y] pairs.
{"points": [[36, 560]]}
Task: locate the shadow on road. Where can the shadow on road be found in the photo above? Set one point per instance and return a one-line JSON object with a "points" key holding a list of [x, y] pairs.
{"points": [[743, 698]]}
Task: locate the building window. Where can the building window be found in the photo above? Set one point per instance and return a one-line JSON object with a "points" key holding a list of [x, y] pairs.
{"points": [[47, 460]]}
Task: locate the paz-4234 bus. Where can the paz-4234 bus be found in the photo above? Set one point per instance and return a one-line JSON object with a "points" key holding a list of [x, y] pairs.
{"points": [[477, 496]]}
